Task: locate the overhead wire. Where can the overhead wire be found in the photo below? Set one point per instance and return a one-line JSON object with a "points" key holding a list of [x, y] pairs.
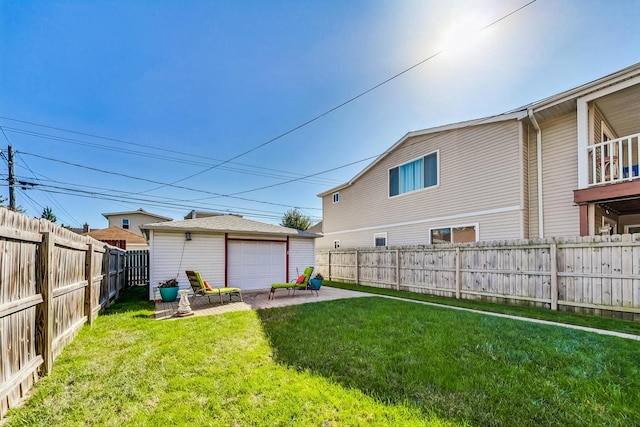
{"points": [[342, 104], [193, 158], [157, 198], [53, 200], [158, 182]]}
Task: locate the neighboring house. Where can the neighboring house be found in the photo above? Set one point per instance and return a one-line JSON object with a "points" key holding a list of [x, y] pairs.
{"points": [[120, 238], [203, 214], [132, 220], [563, 166], [229, 251]]}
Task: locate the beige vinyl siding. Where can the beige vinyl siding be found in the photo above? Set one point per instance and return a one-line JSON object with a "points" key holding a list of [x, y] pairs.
{"points": [[204, 253], [525, 180], [560, 176], [135, 221], [479, 171], [532, 172], [301, 255], [495, 226]]}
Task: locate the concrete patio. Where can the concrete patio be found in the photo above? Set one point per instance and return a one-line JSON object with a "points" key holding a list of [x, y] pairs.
{"points": [[252, 300]]}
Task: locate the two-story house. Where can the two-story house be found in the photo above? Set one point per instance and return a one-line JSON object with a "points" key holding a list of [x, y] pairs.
{"points": [[132, 220], [563, 166]]}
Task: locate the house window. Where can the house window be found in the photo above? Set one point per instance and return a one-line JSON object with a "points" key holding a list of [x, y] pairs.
{"points": [[415, 175], [336, 197], [380, 239], [461, 234], [125, 223], [632, 229], [336, 244]]}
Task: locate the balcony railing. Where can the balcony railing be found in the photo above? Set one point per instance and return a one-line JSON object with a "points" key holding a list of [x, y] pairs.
{"points": [[613, 161]]}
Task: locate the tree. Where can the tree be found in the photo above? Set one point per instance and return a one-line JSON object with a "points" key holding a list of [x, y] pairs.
{"points": [[293, 218], [3, 202], [47, 213]]}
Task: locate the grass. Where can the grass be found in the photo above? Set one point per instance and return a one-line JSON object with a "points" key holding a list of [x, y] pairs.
{"points": [[364, 361], [607, 323]]}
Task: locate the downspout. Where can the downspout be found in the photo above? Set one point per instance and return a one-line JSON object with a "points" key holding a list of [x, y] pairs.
{"points": [[539, 164]]}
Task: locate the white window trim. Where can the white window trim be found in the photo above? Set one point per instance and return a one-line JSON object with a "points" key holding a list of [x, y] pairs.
{"points": [[336, 244], [128, 223], [411, 161], [336, 197], [380, 235], [476, 225], [627, 227]]}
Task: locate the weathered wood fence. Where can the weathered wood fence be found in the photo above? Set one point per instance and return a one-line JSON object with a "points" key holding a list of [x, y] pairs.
{"points": [[52, 282], [137, 267], [593, 275]]}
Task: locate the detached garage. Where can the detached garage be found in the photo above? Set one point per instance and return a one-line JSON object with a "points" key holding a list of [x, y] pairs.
{"points": [[228, 250]]}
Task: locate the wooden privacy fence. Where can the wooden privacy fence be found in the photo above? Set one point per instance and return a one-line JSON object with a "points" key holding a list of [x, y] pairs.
{"points": [[52, 281], [137, 267], [597, 275]]}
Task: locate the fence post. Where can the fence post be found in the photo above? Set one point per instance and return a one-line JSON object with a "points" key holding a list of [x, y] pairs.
{"points": [[106, 278], [458, 275], [397, 270], [554, 276], [44, 326], [119, 273], [329, 266], [88, 291], [357, 274]]}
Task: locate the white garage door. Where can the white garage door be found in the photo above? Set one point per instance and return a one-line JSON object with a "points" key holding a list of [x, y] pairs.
{"points": [[256, 265]]}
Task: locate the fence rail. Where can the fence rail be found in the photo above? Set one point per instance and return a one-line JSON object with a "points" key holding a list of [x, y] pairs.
{"points": [[598, 275], [52, 282]]}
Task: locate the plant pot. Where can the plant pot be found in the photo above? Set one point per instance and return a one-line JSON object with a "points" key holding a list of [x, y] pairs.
{"points": [[169, 294], [315, 283]]}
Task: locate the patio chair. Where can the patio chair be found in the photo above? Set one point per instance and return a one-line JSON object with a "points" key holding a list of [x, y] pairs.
{"points": [[300, 283], [201, 287]]}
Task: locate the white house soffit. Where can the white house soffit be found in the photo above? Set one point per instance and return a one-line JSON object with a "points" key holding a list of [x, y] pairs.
{"points": [[436, 219], [516, 115]]}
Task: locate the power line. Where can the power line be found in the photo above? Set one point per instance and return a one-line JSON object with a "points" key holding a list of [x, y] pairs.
{"points": [[195, 159], [54, 201], [155, 200], [158, 182], [350, 100]]}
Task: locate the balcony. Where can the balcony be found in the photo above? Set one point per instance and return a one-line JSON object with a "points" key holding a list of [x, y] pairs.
{"points": [[614, 161]]}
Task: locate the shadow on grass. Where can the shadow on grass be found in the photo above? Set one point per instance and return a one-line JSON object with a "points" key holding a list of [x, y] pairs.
{"points": [[132, 299], [462, 366]]}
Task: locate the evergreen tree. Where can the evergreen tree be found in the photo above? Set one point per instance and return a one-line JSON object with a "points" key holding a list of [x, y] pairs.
{"points": [[293, 218]]}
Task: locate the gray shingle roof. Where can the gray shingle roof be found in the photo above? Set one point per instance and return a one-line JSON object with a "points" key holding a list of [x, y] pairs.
{"points": [[227, 224]]}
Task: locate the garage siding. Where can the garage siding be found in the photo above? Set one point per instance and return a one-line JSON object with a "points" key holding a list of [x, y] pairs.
{"points": [[301, 256], [204, 253]]}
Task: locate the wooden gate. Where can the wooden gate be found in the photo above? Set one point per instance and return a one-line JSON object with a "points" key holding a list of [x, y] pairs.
{"points": [[137, 268]]}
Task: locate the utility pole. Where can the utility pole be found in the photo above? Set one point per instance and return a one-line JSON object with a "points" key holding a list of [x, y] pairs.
{"points": [[12, 181]]}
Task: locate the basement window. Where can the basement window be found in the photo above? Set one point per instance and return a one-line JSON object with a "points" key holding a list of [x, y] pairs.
{"points": [[459, 234], [380, 239]]}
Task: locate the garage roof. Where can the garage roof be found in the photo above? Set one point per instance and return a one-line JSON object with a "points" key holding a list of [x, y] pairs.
{"points": [[227, 224]]}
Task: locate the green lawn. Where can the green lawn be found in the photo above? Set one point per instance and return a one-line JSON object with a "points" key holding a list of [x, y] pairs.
{"points": [[611, 324], [365, 361]]}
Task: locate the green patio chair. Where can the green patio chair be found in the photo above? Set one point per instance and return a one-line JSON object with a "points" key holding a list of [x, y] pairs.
{"points": [[201, 287], [300, 283]]}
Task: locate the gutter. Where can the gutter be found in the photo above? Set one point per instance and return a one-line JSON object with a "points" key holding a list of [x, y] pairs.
{"points": [[539, 165]]}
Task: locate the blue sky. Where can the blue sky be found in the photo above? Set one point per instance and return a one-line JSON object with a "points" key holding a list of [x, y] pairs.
{"points": [[154, 92]]}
